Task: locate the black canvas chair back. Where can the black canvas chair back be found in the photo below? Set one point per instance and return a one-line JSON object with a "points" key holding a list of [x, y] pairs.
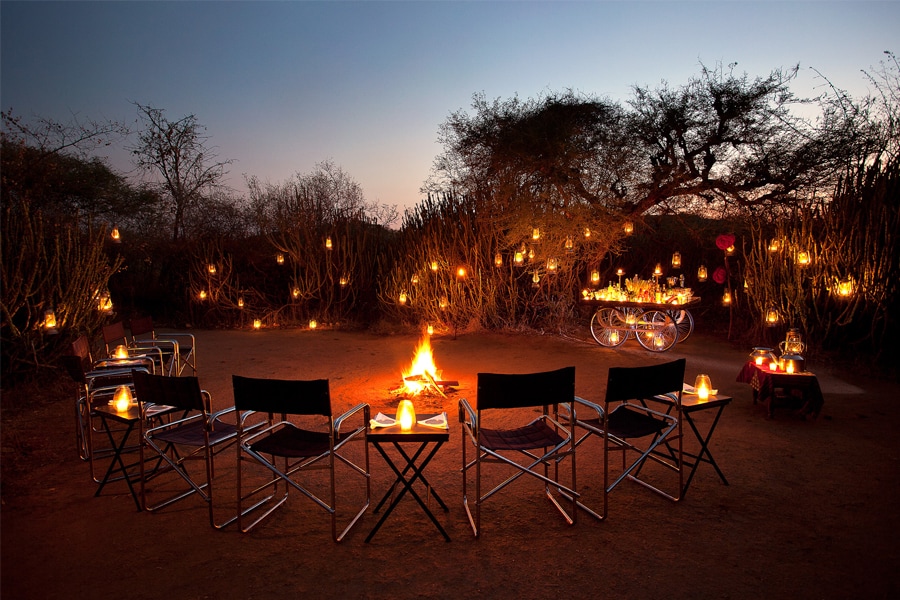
{"points": [[279, 433], [530, 449], [282, 396], [635, 383], [499, 390], [182, 393]]}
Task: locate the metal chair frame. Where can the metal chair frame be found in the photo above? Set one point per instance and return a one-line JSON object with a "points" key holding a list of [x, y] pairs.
{"points": [[180, 349], [625, 417], [114, 335], [555, 440], [200, 433], [286, 449]]}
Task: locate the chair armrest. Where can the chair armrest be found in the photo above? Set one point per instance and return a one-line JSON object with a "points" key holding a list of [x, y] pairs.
{"points": [[470, 425], [172, 424], [359, 407]]}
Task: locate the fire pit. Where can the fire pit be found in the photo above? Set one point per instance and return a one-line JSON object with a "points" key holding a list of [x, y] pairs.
{"points": [[422, 380]]}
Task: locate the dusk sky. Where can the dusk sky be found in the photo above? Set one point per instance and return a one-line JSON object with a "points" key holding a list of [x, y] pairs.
{"points": [[281, 86]]}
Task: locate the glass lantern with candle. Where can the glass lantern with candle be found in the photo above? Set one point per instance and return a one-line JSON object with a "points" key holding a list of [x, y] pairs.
{"points": [[406, 415], [702, 385]]}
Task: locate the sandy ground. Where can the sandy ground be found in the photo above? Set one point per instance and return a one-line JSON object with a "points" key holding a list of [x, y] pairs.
{"points": [[810, 510]]}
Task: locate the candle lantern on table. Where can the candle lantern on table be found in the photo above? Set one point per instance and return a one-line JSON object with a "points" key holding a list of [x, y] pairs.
{"points": [[406, 414], [702, 385]]}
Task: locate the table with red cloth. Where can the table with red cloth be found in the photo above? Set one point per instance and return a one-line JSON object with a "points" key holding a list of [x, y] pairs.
{"points": [[799, 390]]}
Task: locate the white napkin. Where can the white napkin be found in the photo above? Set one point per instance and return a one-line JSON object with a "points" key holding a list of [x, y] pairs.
{"points": [[437, 421], [689, 389], [382, 420]]}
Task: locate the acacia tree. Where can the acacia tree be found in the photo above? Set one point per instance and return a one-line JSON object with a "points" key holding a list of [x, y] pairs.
{"points": [[177, 152], [52, 253]]}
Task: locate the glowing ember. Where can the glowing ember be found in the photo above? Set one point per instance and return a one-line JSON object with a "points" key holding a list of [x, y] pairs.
{"points": [[422, 370]]}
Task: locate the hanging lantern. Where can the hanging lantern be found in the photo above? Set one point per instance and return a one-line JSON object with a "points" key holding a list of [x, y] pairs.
{"points": [[415, 280], [344, 280], [115, 235], [498, 260], [519, 258], [846, 287], [676, 260], [701, 273], [430, 330], [535, 279], [552, 264], [726, 298], [104, 302], [772, 316], [803, 258], [211, 268], [535, 234], [434, 265], [570, 244], [50, 321], [202, 295], [461, 273], [328, 243], [402, 297], [774, 245], [595, 277], [531, 254], [279, 258], [443, 302], [295, 292], [587, 232], [628, 227], [729, 250], [241, 302]]}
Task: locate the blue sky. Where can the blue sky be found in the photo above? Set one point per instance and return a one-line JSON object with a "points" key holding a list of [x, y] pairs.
{"points": [[281, 86]]}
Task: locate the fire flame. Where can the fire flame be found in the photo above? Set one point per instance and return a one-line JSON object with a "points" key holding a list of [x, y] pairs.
{"points": [[416, 378]]}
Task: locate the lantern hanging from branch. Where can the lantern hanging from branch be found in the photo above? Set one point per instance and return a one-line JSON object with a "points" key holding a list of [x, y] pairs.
{"points": [[240, 302], [701, 273], [535, 234], [726, 298], [552, 264], [570, 244], [461, 273], [402, 298], [587, 232], [519, 258], [676, 260], [115, 235], [595, 277], [774, 245], [279, 258], [328, 243], [434, 266], [803, 258], [846, 287], [771, 316], [211, 268], [628, 227], [498, 260]]}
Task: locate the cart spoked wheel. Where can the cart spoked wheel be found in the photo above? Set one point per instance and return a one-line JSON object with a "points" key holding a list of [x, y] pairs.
{"points": [[656, 331], [685, 323], [608, 327]]}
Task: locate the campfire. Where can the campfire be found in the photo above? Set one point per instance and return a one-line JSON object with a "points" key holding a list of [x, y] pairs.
{"points": [[423, 376]]}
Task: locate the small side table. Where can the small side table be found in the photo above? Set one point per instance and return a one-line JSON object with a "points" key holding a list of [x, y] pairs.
{"points": [[129, 419], [424, 436], [764, 382], [690, 404]]}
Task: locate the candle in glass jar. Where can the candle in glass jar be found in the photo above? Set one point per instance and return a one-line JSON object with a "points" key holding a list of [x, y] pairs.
{"points": [[759, 361], [790, 367], [773, 366]]}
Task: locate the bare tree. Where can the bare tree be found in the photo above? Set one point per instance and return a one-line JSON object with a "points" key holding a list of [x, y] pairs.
{"points": [[178, 153]]}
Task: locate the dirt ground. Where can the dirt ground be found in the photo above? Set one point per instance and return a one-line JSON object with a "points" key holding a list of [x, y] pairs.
{"points": [[810, 510]]}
